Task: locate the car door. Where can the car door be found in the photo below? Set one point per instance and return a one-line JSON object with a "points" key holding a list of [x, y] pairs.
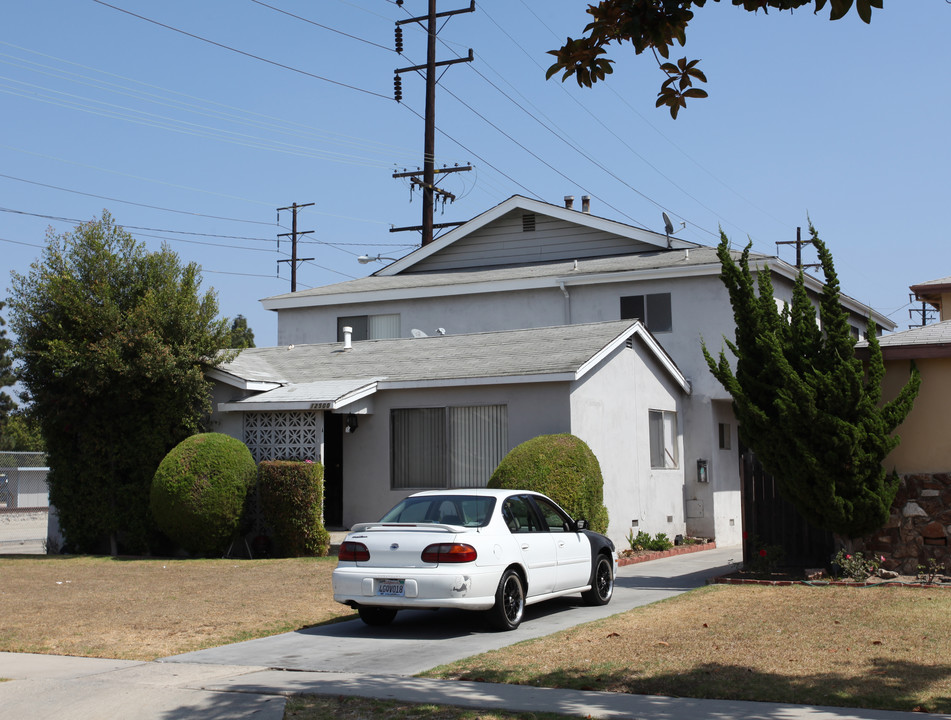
{"points": [[572, 548], [535, 544]]}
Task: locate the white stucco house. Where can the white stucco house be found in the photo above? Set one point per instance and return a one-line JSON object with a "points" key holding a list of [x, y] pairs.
{"points": [[524, 273]]}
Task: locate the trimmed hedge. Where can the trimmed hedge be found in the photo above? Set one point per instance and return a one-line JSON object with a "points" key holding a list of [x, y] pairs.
{"points": [[292, 503], [199, 490], [562, 467]]}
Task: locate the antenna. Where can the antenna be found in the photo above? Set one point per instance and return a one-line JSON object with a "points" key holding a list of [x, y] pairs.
{"points": [[668, 225]]}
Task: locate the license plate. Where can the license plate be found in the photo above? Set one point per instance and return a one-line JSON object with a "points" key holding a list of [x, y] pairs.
{"points": [[392, 588]]}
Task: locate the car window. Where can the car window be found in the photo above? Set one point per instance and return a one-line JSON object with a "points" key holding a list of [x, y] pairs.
{"points": [[520, 516], [554, 518], [466, 510]]}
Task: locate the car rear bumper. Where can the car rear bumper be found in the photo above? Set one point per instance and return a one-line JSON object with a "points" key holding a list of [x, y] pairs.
{"points": [[465, 587]]}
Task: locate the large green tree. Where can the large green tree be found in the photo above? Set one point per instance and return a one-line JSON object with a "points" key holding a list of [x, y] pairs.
{"points": [[114, 342], [655, 25], [240, 336], [805, 404]]}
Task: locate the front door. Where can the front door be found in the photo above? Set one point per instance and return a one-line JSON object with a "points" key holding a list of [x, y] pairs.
{"points": [[333, 469]]}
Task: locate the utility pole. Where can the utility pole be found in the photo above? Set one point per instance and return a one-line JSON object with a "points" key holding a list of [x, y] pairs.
{"points": [[294, 260], [798, 242], [924, 313], [428, 181]]}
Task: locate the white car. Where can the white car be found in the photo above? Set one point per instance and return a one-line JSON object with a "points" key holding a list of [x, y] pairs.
{"points": [[477, 549]]}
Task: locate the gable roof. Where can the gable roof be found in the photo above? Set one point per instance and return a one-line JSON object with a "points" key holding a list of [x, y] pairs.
{"points": [[932, 290], [527, 205], [305, 375]]}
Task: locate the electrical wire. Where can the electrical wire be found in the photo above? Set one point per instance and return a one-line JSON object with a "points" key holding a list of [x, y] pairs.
{"points": [[325, 27], [242, 52]]}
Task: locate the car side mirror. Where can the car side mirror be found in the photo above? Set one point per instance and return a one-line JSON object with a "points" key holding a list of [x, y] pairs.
{"points": [[581, 525]]}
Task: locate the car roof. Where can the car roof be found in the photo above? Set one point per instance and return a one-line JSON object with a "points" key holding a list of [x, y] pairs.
{"points": [[489, 492]]}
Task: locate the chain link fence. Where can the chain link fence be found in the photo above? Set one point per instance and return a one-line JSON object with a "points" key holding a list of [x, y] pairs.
{"points": [[24, 502]]}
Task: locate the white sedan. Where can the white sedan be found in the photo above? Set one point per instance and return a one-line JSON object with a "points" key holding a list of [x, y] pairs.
{"points": [[478, 549]]}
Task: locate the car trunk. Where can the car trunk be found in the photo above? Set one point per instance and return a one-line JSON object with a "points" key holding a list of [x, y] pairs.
{"points": [[401, 546]]}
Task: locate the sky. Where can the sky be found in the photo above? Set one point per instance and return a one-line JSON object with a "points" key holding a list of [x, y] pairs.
{"points": [[194, 122]]}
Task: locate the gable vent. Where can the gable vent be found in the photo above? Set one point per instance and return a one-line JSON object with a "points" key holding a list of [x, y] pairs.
{"points": [[528, 222], [630, 343]]}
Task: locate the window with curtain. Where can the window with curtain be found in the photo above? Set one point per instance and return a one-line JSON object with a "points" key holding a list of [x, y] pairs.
{"points": [[446, 447], [663, 439], [369, 327]]}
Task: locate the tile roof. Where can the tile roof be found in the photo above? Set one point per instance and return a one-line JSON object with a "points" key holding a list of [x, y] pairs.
{"points": [[935, 334]]}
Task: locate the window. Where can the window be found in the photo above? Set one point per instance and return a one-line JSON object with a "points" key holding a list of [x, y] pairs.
{"points": [[652, 310], [520, 516], [369, 327], [553, 517], [446, 447], [663, 438], [725, 434]]}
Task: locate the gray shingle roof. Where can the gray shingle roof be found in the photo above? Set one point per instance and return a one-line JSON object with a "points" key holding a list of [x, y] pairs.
{"points": [[539, 351], [623, 263], [935, 334]]}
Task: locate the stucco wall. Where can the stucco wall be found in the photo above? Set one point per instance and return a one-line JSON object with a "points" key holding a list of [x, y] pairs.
{"points": [[925, 445], [537, 409], [609, 411]]}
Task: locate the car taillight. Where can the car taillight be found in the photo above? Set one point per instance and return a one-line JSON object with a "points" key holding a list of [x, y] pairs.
{"points": [[449, 553], [353, 551]]}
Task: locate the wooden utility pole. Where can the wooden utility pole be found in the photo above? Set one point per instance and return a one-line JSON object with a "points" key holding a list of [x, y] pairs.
{"points": [[428, 181], [293, 260], [799, 242]]}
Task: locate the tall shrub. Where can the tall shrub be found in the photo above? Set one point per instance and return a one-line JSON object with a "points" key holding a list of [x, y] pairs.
{"points": [[292, 503], [562, 467], [199, 490]]}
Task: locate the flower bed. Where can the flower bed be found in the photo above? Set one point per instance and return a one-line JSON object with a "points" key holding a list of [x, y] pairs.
{"points": [[630, 557]]}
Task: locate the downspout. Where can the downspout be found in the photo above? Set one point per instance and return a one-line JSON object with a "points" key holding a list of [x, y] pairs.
{"points": [[564, 291]]}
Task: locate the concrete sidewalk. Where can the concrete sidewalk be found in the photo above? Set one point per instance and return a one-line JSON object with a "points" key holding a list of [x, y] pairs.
{"points": [[49, 686]]}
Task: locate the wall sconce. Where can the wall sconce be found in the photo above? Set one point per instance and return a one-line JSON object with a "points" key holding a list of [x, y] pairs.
{"points": [[351, 425], [702, 471]]}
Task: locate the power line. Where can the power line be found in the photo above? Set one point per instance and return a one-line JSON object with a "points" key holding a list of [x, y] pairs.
{"points": [[242, 52], [325, 27]]}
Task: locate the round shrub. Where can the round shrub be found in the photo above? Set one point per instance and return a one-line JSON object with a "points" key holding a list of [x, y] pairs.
{"points": [[199, 491], [561, 467]]}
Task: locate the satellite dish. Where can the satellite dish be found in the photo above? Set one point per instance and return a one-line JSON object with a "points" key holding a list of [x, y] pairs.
{"points": [[668, 225], [418, 333]]}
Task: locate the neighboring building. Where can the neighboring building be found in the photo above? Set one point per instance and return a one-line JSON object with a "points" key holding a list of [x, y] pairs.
{"points": [[527, 264], [388, 417], [920, 526]]}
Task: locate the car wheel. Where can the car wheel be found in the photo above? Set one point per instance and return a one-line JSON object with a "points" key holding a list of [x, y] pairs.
{"points": [[602, 582], [376, 615], [509, 602]]}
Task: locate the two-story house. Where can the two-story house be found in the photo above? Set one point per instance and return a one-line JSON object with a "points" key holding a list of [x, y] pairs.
{"points": [[660, 424]]}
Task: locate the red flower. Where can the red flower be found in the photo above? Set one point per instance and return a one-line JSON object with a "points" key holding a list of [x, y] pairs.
{"points": [[762, 553]]}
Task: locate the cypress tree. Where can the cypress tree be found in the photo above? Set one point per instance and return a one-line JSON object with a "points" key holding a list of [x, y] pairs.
{"points": [[805, 404]]}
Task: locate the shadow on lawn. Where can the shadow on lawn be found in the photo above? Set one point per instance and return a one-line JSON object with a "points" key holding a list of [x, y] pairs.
{"points": [[884, 685]]}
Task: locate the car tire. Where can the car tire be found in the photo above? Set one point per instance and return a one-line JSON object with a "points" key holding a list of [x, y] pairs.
{"points": [[602, 582], [509, 602], [376, 616]]}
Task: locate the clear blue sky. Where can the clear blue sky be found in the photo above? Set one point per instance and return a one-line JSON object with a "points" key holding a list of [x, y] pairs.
{"points": [[842, 122]]}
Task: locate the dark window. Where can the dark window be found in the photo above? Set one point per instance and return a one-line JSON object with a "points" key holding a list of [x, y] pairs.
{"points": [[357, 322], [652, 310], [725, 435]]}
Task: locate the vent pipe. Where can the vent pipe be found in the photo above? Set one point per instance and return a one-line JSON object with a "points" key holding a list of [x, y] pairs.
{"points": [[347, 338], [569, 202], [585, 204]]}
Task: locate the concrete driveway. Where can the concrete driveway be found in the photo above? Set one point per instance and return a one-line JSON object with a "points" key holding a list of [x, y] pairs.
{"points": [[419, 640]]}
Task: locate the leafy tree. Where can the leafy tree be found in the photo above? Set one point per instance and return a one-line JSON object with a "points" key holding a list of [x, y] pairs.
{"points": [[805, 404], [114, 342], [240, 336], [7, 376], [655, 25], [21, 433]]}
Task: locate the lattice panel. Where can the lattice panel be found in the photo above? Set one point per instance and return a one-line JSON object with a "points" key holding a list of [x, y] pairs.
{"points": [[292, 435]]}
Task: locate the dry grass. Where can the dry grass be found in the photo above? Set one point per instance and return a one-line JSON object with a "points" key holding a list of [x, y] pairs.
{"points": [[314, 707], [145, 609], [887, 648]]}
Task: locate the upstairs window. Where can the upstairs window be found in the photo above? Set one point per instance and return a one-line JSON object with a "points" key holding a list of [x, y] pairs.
{"points": [[652, 310], [369, 327]]}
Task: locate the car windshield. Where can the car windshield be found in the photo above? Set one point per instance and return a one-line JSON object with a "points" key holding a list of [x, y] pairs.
{"points": [[465, 510]]}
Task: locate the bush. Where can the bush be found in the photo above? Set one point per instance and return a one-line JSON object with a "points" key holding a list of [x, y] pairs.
{"points": [[561, 467], [199, 490], [292, 503], [643, 541]]}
